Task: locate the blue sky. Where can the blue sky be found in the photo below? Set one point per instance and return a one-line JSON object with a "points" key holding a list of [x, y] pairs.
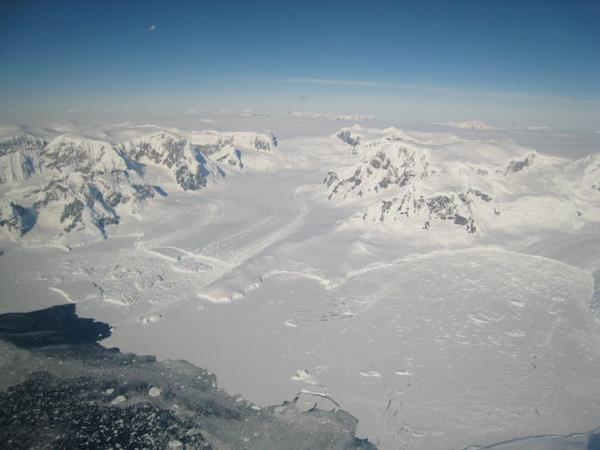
{"points": [[495, 60]]}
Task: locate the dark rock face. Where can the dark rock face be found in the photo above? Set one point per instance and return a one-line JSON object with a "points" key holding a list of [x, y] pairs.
{"points": [[518, 165], [482, 195], [160, 191], [75, 414], [21, 142], [28, 162], [442, 207], [55, 190], [346, 136], [234, 158], [114, 198], [19, 219], [185, 159], [261, 143], [52, 326], [73, 212], [189, 180], [92, 195], [454, 209], [63, 390], [330, 178], [173, 150], [85, 157], [142, 192]]}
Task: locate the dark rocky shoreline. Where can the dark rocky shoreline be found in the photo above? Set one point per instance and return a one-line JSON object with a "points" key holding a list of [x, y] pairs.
{"points": [[60, 389]]}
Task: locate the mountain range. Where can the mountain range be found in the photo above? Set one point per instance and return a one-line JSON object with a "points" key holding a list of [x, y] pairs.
{"points": [[74, 183], [474, 185]]}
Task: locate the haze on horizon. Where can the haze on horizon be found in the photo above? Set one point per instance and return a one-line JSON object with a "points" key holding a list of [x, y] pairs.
{"points": [[509, 63]]}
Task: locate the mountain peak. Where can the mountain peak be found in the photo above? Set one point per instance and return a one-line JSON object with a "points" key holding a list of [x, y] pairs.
{"points": [[79, 154]]}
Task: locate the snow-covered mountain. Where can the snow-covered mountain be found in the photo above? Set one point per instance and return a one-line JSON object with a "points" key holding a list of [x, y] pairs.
{"points": [[190, 167], [20, 157], [20, 142], [86, 185], [236, 151], [478, 186], [425, 181], [85, 156], [75, 183]]}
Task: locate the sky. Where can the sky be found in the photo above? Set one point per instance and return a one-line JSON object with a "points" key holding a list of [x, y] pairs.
{"points": [[509, 62]]}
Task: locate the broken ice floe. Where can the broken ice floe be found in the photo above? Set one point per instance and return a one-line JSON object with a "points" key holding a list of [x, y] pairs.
{"points": [[150, 319]]}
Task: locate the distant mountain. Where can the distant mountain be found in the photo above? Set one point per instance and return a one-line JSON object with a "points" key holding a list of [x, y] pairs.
{"points": [[469, 125], [233, 149], [394, 178], [356, 117]]}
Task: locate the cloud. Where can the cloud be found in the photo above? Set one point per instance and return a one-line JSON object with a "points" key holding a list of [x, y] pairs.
{"points": [[152, 28], [471, 125], [337, 82], [425, 88]]}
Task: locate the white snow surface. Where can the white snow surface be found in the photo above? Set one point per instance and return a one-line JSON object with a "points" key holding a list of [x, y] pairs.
{"points": [[434, 337]]}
